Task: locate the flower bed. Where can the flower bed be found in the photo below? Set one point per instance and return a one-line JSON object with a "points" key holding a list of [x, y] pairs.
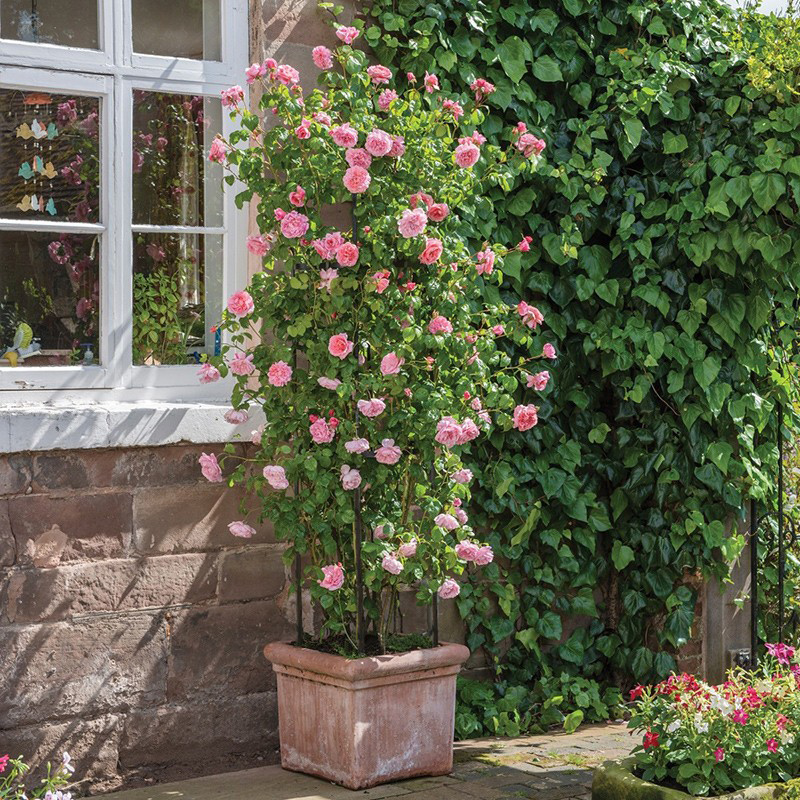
{"points": [[715, 739]]}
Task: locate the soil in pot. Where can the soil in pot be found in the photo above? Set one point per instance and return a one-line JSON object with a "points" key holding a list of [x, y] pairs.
{"points": [[341, 645]]}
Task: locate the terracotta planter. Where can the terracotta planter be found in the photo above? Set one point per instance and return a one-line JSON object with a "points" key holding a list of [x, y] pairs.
{"points": [[370, 720], [615, 780]]}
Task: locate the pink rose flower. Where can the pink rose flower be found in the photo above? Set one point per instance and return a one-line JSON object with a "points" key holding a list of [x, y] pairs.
{"points": [[242, 364], [412, 222], [398, 147], [358, 157], [378, 532], [529, 145], [217, 151], [378, 143], [438, 211], [294, 225], [259, 244], [279, 214], [548, 351], [392, 564], [322, 118], [256, 434], [344, 135], [440, 324], [379, 74], [321, 431], [208, 373], [357, 446], [448, 432], [467, 155], [410, 77], [255, 71], [339, 346], [240, 304], [432, 252], [235, 417], [453, 108], [232, 97], [431, 83], [286, 74], [347, 255], [371, 408], [279, 374], [391, 364], [356, 180], [351, 478], [525, 417], [326, 278], [328, 246], [241, 529], [386, 98], [329, 383], [334, 577], [466, 550], [525, 245], [482, 89], [460, 514], [298, 197], [498, 330], [381, 281], [468, 431], [462, 476], [347, 34], [276, 477], [210, 468], [388, 452], [531, 315], [446, 521], [539, 380], [322, 57], [408, 549], [484, 556], [485, 262], [449, 589]]}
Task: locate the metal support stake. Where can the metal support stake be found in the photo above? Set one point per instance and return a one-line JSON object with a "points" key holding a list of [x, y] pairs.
{"points": [[781, 553], [753, 585], [361, 632], [298, 566]]}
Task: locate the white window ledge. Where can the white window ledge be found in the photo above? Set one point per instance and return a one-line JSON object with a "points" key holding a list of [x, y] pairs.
{"points": [[81, 426]]}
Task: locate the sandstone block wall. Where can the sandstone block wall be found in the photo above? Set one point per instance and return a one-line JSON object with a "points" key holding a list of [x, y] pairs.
{"points": [[131, 621]]}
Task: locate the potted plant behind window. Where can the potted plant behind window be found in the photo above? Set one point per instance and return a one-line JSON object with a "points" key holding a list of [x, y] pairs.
{"points": [[390, 349]]}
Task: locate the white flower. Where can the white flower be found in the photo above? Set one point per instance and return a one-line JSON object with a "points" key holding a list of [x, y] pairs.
{"points": [[673, 726], [700, 725]]}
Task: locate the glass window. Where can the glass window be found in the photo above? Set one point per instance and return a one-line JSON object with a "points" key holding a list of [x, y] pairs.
{"points": [[177, 297], [174, 183], [49, 162], [179, 28], [49, 298], [71, 23]]}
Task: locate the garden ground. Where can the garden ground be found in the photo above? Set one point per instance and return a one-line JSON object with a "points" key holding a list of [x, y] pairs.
{"points": [[549, 767]]}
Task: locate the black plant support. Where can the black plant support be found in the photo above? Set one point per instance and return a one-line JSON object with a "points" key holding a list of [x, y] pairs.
{"points": [[298, 564]]}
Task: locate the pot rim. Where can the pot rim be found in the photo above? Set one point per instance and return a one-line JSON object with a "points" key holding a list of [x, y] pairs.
{"points": [[286, 654]]}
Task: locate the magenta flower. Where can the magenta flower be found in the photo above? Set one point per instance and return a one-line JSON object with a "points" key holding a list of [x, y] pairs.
{"points": [[347, 255], [432, 252], [322, 57]]}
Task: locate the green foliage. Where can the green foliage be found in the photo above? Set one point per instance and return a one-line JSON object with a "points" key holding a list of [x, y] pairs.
{"points": [[15, 782], [501, 709], [665, 259], [158, 336]]}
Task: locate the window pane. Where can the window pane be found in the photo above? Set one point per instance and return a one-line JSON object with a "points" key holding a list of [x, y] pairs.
{"points": [[179, 28], [49, 162], [174, 183], [72, 23], [177, 297], [49, 289]]}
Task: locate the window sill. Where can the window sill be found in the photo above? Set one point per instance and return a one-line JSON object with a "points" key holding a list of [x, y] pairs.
{"points": [[84, 425]]}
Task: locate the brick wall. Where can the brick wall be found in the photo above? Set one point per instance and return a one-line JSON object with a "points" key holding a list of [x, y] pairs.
{"points": [[131, 621]]}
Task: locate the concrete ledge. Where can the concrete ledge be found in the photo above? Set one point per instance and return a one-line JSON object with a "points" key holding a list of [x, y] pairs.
{"points": [[614, 780], [77, 426]]}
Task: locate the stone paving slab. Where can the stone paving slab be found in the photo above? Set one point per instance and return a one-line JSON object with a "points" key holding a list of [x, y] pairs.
{"points": [[549, 767]]}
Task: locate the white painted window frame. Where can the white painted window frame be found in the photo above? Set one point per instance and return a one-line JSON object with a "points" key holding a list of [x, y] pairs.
{"points": [[112, 73]]}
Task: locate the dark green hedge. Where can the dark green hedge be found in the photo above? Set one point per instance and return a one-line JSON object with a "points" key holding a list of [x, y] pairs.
{"points": [[665, 259]]}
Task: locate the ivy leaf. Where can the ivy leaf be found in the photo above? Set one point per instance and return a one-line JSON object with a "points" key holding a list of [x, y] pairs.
{"points": [[547, 70], [706, 371], [674, 143], [544, 20], [767, 187], [738, 189], [621, 555], [573, 721], [513, 53], [549, 625], [633, 131]]}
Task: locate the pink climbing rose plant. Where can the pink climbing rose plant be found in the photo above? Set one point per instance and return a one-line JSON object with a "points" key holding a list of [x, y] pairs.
{"points": [[373, 346]]}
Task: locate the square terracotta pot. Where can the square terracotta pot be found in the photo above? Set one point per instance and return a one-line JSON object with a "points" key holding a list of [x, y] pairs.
{"points": [[366, 721]]}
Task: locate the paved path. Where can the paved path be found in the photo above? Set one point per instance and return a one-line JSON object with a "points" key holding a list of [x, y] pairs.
{"points": [[550, 767]]}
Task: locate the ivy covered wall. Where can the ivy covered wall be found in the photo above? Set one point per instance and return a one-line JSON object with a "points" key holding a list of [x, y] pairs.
{"points": [[665, 259]]}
